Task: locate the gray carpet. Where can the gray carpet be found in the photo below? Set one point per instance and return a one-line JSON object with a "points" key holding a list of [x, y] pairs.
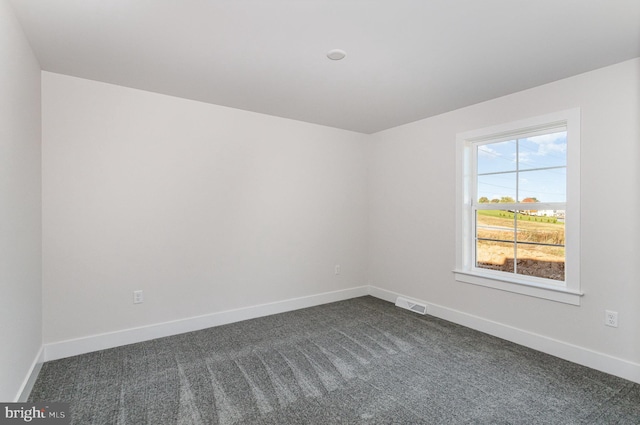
{"points": [[361, 361]]}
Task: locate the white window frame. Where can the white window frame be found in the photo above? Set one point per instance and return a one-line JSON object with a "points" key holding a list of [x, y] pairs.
{"points": [[465, 270]]}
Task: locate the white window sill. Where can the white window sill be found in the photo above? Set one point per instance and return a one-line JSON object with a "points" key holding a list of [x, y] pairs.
{"points": [[532, 289]]}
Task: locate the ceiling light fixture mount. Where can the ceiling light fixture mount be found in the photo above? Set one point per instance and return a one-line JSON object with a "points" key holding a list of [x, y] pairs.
{"points": [[336, 54]]}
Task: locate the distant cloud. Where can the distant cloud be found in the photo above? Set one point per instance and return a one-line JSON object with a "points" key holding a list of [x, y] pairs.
{"points": [[524, 157], [549, 143], [487, 151], [504, 151]]}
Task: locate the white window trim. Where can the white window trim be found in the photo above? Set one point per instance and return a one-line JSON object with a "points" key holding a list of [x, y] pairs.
{"points": [[567, 292]]}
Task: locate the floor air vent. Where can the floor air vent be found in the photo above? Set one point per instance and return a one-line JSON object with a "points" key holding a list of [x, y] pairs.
{"points": [[411, 305]]}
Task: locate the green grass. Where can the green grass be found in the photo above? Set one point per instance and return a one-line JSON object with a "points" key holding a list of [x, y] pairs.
{"points": [[499, 224], [522, 217]]}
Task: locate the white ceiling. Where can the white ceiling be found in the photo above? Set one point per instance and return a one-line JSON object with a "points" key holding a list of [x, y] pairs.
{"points": [[406, 59]]}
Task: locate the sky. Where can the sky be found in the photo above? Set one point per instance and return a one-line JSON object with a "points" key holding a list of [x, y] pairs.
{"points": [[520, 168]]}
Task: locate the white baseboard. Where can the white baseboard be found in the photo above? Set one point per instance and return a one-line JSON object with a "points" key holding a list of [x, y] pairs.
{"points": [[573, 353], [390, 296], [30, 379], [73, 347]]}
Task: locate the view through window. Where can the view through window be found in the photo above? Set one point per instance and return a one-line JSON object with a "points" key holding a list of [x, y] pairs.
{"points": [[519, 204]]}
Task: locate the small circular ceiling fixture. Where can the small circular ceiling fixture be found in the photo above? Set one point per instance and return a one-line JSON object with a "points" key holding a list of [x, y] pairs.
{"points": [[336, 54]]}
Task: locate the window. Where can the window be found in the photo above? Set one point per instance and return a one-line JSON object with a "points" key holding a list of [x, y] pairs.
{"points": [[518, 207]]}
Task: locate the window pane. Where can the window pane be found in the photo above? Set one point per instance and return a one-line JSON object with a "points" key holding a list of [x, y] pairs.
{"points": [[541, 251], [496, 157], [495, 255], [497, 188], [548, 150], [543, 185], [495, 232], [495, 224], [541, 226], [541, 261]]}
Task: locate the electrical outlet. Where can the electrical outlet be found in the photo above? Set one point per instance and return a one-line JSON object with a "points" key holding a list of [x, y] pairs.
{"points": [[138, 297], [611, 318], [336, 269]]}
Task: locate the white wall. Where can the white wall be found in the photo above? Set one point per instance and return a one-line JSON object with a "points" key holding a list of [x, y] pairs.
{"points": [[412, 208], [20, 265], [203, 207]]}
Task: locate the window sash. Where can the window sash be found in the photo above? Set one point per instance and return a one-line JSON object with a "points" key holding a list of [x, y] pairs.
{"points": [[513, 207]]}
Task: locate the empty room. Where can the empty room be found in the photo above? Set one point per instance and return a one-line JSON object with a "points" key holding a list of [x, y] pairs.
{"points": [[319, 212]]}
